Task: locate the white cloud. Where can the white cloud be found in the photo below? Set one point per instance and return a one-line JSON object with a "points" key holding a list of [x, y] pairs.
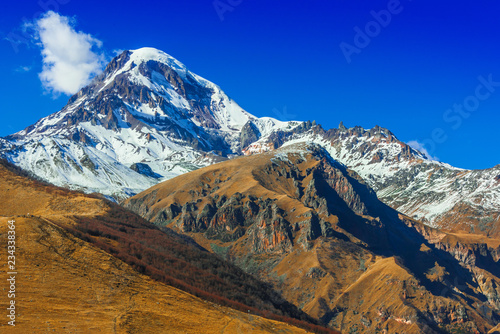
{"points": [[69, 59], [420, 147]]}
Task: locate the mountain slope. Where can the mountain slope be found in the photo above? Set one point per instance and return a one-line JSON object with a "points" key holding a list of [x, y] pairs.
{"points": [[442, 196], [314, 230], [71, 238], [146, 117], [69, 286]]}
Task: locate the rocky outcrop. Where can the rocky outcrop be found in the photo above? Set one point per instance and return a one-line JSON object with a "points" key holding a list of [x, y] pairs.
{"points": [[144, 169], [471, 254], [228, 219], [249, 134], [271, 231]]}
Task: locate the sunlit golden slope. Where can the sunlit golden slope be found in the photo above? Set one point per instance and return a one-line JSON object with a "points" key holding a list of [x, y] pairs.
{"points": [[67, 285]]}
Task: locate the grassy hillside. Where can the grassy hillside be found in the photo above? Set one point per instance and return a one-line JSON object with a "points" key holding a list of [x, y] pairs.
{"points": [[74, 248]]}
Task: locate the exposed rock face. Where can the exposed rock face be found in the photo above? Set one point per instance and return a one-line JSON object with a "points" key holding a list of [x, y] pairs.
{"points": [[472, 251], [318, 233], [249, 134], [144, 169], [272, 232], [228, 219]]}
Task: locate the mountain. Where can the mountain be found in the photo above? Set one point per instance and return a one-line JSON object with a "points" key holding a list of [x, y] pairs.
{"points": [[86, 264], [436, 193], [300, 220], [145, 118]]}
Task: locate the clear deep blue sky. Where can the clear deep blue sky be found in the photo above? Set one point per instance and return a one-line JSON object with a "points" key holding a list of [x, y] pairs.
{"points": [[283, 59]]}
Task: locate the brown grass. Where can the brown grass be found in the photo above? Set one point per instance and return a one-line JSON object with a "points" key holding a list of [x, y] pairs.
{"points": [[65, 285]]}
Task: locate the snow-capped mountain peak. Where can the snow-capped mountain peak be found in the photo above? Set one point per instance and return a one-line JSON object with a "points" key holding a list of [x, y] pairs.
{"points": [[145, 108], [147, 53]]}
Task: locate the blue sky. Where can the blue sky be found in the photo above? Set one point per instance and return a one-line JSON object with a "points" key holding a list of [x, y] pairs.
{"points": [[425, 71]]}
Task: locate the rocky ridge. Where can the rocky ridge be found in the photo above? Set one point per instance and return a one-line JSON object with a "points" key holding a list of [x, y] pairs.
{"points": [[436, 193]]}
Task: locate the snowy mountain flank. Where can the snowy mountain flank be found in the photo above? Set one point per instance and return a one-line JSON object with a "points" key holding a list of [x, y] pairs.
{"points": [[147, 118], [436, 193]]}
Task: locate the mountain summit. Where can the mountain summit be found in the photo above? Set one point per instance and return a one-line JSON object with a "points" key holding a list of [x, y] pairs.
{"points": [[146, 117]]}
